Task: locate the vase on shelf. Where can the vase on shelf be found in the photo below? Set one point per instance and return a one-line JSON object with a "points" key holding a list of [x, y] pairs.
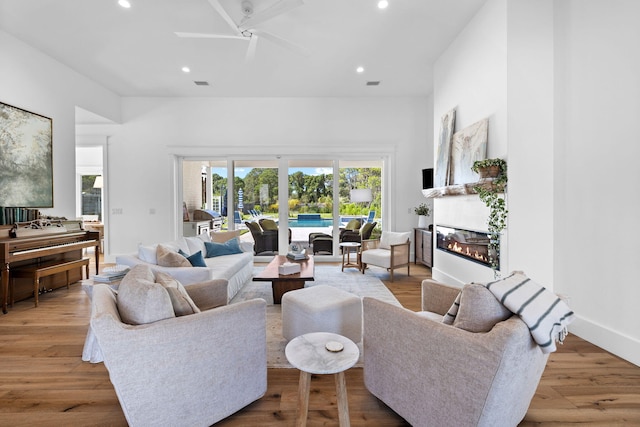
{"points": [[489, 171], [423, 221]]}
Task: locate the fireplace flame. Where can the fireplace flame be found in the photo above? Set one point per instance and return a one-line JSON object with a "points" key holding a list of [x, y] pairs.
{"points": [[464, 250]]}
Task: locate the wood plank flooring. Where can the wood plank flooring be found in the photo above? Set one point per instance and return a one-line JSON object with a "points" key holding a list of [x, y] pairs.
{"points": [[44, 382]]}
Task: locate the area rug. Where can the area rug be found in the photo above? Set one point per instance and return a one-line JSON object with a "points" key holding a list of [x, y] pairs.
{"points": [[351, 281]]}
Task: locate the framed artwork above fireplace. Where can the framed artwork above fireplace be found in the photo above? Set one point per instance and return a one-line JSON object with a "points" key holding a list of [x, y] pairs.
{"points": [[26, 160], [469, 145]]}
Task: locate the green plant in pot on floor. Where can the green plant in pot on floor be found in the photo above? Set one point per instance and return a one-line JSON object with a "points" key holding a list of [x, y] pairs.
{"points": [[489, 192]]}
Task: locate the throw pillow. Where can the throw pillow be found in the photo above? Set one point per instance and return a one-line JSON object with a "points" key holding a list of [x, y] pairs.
{"points": [[168, 257], [223, 236], [196, 243], [367, 229], [140, 300], [148, 253], [353, 224], [451, 314], [180, 299], [197, 260], [479, 309], [268, 224], [388, 238], [229, 247]]}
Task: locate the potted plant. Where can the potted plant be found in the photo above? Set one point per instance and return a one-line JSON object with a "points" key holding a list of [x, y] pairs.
{"points": [[423, 211], [489, 168], [489, 193]]}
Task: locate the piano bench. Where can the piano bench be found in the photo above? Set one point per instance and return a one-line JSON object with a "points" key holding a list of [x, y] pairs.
{"points": [[36, 271]]}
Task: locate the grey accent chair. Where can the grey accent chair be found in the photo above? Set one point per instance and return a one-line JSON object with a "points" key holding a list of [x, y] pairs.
{"points": [[192, 370], [435, 374]]}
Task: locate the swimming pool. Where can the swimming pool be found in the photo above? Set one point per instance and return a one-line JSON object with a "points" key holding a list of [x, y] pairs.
{"points": [[324, 222]]}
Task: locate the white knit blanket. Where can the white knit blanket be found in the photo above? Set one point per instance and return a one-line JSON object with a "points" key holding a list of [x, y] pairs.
{"points": [[546, 315]]}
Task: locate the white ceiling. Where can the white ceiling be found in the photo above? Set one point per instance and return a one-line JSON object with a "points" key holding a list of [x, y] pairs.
{"points": [[134, 52]]}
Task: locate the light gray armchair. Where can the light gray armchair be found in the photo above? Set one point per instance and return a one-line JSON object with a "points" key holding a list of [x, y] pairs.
{"points": [[192, 370], [434, 374]]}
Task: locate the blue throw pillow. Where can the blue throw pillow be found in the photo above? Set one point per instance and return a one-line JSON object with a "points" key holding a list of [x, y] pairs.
{"points": [[197, 260], [230, 247]]}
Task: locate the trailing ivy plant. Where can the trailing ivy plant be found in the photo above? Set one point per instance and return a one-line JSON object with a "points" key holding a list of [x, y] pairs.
{"points": [[478, 164], [489, 193]]}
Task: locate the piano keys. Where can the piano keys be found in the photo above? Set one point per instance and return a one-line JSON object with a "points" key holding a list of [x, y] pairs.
{"points": [[19, 251]]}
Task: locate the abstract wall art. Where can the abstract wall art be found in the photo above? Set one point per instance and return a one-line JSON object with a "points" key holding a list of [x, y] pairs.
{"points": [[26, 160]]}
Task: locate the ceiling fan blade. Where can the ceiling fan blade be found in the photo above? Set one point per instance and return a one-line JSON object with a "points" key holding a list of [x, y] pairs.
{"points": [[283, 42], [209, 36], [223, 13], [276, 9], [251, 50]]}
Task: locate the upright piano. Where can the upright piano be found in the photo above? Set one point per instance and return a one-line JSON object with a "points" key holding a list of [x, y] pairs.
{"points": [[42, 245]]}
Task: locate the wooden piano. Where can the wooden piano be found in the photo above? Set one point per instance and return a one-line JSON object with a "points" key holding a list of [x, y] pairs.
{"points": [[42, 246]]}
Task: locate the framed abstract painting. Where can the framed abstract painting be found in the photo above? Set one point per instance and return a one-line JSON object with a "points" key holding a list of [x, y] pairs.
{"points": [[469, 145], [442, 173], [26, 159]]}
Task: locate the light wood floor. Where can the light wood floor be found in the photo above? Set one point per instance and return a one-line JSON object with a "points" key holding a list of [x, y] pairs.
{"points": [[44, 382]]}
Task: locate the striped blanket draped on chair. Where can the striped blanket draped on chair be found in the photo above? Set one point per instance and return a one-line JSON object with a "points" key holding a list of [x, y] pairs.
{"points": [[546, 315]]}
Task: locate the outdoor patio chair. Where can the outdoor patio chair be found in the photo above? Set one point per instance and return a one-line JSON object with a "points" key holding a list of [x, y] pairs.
{"points": [[371, 217], [264, 241]]}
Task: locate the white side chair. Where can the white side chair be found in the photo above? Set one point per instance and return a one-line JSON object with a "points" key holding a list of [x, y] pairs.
{"points": [[390, 252]]}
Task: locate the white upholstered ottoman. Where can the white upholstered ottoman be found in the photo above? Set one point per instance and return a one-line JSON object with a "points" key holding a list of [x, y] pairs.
{"points": [[321, 308]]}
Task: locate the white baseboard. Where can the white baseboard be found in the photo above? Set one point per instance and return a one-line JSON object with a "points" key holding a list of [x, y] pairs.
{"points": [[623, 346], [441, 276]]}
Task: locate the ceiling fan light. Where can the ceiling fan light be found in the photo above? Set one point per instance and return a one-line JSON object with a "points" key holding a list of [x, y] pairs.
{"points": [[383, 4]]}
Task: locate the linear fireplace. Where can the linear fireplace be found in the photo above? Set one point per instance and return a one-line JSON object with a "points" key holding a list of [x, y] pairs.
{"points": [[468, 244]]}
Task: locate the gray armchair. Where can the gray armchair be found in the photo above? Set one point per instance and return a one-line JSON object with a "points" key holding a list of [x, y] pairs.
{"points": [[434, 374], [192, 370]]}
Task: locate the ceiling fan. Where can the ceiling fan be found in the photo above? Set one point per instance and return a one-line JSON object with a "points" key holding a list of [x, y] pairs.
{"points": [[246, 29]]}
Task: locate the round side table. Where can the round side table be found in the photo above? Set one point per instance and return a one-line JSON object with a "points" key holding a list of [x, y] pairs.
{"points": [[310, 355], [347, 248]]}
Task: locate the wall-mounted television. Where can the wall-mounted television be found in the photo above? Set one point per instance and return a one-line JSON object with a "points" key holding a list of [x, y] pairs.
{"points": [[427, 178]]}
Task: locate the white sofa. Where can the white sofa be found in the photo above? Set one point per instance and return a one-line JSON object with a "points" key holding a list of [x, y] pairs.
{"points": [[237, 269]]}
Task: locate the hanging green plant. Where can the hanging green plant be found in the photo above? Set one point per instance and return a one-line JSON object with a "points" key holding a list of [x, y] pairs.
{"points": [[489, 193]]}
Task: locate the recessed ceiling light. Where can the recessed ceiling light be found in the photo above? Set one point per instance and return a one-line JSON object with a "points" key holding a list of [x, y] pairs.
{"points": [[186, 69], [360, 70], [383, 4], [124, 3]]}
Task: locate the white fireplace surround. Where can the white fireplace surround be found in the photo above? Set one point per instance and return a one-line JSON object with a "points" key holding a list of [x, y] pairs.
{"points": [[468, 212]]}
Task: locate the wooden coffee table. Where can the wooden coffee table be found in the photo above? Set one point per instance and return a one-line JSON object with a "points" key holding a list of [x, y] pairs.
{"points": [[284, 283]]}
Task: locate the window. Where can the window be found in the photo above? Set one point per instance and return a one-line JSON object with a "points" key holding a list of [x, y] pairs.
{"points": [[329, 191]]}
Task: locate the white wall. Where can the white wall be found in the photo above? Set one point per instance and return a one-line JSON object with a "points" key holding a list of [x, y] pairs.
{"points": [[598, 103], [155, 130], [471, 76], [563, 94], [35, 82]]}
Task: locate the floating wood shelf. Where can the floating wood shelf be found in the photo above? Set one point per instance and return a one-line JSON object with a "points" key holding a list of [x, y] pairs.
{"points": [[460, 189]]}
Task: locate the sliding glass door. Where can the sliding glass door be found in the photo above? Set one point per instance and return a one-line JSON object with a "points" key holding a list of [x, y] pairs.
{"points": [[321, 195]]}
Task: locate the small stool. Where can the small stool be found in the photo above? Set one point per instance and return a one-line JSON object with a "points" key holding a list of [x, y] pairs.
{"points": [[321, 308], [322, 244]]}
